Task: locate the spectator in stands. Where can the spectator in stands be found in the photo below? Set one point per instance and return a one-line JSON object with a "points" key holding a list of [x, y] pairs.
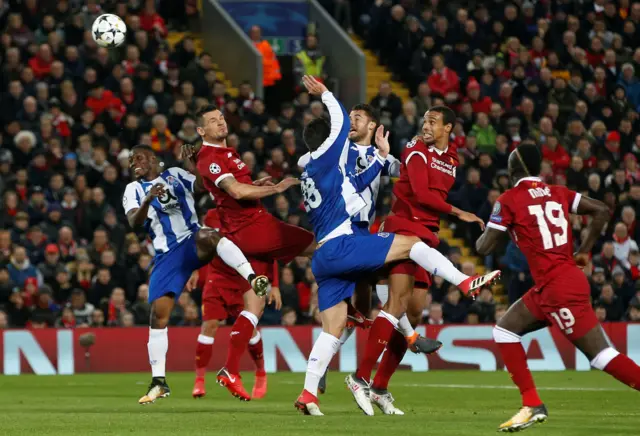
{"points": [[270, 65], [611, 303], [310, 61], [388, 104], [443, 80]]}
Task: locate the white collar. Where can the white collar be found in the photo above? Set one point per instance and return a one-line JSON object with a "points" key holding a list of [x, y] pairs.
{"points": [[528, 179], [437, 150], [211, 145]]}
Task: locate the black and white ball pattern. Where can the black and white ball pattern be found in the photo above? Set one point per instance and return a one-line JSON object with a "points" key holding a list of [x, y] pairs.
{"points": [[109, 30]]}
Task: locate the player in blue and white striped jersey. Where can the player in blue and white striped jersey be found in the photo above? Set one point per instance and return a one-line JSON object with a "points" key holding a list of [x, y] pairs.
{"points": [[331, 198], [162, 201]]}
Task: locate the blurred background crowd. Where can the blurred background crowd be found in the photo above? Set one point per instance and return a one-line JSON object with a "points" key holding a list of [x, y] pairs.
{"points": [[562, 74]]}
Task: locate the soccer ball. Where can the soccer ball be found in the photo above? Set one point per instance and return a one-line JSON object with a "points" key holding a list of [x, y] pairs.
{"points": [[108, 30]]}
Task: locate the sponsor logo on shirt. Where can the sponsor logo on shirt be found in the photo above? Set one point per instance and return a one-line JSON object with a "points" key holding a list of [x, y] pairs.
{"points": [[443, 166]]}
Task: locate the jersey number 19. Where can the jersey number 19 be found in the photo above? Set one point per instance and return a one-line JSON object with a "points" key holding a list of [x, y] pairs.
{"points": [[553, 213]]}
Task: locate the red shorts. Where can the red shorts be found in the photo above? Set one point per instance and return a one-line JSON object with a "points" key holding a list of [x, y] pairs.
{"points": [[268, 239], [403, 226], [566, 302], [222, 293]]}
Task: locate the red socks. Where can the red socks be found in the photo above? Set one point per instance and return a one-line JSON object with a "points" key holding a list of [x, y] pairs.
{"points": [[240, 334], [624, 370], [379, 336], [515, 360], [204, 349], [396, 349], [256, 352]]}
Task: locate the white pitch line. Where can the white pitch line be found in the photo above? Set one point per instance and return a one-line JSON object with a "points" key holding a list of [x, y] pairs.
{"points": [[461, 386]]}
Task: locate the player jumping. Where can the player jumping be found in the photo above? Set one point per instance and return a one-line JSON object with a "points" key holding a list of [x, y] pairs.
{"points": [[331, 198], [222, 298], [245, 221], [162, 201], [364, 121], [427, 173], [537, 217]]}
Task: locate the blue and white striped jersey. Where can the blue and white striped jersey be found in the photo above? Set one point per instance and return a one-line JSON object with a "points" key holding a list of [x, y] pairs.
{"points": [[332, 196], [359, 158], [172, 218]]}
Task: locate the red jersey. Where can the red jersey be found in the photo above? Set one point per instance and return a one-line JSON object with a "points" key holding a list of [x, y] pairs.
{"points": [[537, 216], [426, 176], [216, 163]]}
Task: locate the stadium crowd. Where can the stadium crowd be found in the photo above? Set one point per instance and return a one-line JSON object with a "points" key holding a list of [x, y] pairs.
{"points": [[562, 74]]}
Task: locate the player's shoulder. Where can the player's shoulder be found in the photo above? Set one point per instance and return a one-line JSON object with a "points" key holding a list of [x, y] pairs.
{"points": [[132, 187], [415, 146]]}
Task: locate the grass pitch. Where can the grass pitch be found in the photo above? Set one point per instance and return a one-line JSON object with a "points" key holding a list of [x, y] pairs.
{"points": [[436, 403]]}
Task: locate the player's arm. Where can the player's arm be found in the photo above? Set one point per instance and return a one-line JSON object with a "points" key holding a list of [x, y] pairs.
{"points": [[243, 191], [599, 213], [137, 209], [416, 163], [391, 167], [339, 121], [191, 166], [495, 234], [366, 177]]}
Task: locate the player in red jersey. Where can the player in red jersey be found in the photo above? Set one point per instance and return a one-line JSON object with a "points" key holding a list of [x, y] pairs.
{"points": [[263, 238], [427, 172], [222, 298], [536, 215]]}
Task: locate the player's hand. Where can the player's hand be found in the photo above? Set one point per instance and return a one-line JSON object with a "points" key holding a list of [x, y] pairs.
{"points": [[286, 184], [382, 141], [314, 86], [582, 260], [156, 191], [265, 181], [468, 217], [192, 283], [187, 151], [275, 297]]}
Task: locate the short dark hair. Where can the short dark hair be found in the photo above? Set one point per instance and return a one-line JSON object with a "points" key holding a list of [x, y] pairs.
{"points": [[531, 157], [371, 112], [142, 147], [204, 110], [316, 132], [448, 115]]}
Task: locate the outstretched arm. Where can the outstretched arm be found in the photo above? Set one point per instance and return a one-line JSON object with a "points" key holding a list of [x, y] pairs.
{"points": [[191, 166], [243, 191]]}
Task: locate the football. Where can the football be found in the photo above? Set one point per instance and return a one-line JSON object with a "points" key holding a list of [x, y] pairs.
{"points": [[109, 30]]}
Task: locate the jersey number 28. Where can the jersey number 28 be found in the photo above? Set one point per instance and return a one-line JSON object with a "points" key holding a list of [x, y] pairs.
{"points": [[310, 194], [553, 213]]}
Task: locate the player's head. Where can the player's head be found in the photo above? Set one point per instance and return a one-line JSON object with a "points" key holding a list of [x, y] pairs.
{"points": [[364, 120], [143, 162], [438, 124], [315, 133], [524, 161], [212, 126]]}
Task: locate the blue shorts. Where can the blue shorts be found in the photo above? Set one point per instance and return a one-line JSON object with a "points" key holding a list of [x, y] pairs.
{"points": [[360, 228], [340, 262], [172, 269]]}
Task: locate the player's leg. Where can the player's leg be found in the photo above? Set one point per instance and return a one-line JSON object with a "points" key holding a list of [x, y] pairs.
{"points": [[434, 262], [204, 350], [256, 351], [602, 355], [334, 319], [157, 347], [523, 316], [210, 243]]}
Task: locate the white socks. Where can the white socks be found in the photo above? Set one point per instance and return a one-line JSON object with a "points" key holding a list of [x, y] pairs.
{"points": [[158, 345], [232, 256], [206, 340], [435, 262], [403, 324], [324, 349], [255, 338]]}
